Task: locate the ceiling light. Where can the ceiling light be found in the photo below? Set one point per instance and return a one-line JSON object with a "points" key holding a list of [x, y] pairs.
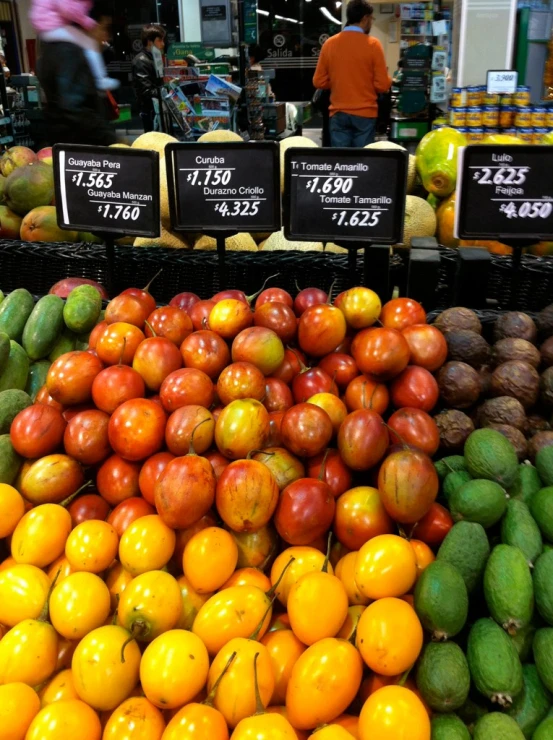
{"points": [[328, 14], [262, 12]]}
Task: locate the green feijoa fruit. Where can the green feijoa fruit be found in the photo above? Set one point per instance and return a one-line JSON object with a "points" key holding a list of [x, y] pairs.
{"points": [[541, 508], [453, 481], [543, 655], [448, 727], [544, 465], [519, 529], [497, 726], [523, 640], [449, 464], [493, 661], [441, 600], [533, 702], [10, 461], [489, 455], [481, 501], [4, 350], [11, 403], [527, 483], [543, 586], [508, 588], [15, 309], [544, 730], [443, 676], [471, 711], [467, 548], [16, 371]]}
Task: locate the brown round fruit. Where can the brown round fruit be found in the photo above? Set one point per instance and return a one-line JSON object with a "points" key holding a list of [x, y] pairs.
{"points": [[467, 346], [459, 385], [511, 348], [536, 423], [517, 379], [546, 352], [455, 319], [455, 428], [515, 324], [503, 410], [538, 442], [546, 387], [515, 437], [544, 322]]}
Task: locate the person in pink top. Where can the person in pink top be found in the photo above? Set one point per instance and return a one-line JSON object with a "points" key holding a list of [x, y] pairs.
{"points": [[69, 21]]}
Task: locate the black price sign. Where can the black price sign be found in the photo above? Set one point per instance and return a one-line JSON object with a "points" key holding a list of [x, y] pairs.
{"points": [[227, 187], [107, 189], [505, 192], [345, 195]]}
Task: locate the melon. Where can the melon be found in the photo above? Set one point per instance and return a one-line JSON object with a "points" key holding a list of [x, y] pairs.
{"points": [[155, 141], [411, 167], [10, 224], [168, 239], [437, 155], [220, 134], [335, 249], [30, 187], [242, 242], [420, 219], [278, 242], [445, 215], [17, 156], [164, 195], [289, 143], [41, 225]]}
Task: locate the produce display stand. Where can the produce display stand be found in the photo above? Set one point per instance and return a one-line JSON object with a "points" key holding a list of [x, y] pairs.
{"points": [[355, 198]]}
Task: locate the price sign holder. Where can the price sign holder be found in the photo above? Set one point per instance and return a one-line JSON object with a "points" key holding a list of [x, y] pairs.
{"points": [[351, 197], [222, 189], [502, 82], [108, 191], [505, 193]]}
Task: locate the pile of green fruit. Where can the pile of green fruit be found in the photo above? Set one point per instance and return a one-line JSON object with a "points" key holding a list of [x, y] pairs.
{"points": [[487, 599], [32, 336]]}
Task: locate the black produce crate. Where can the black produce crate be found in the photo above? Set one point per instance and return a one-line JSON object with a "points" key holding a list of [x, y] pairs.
{"points": [[37, 266], [534, 286]]}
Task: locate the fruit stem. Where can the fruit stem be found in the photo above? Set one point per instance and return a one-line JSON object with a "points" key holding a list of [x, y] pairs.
{"points": [[323, 464], [130, 639], [303, 366], [191, 450], [150, 327], [255, 634], [66, 502], [44, 615], [404, 677], [250, 298], [122, 351], [328, 549], [329, 301], [272, 591], [147, 288], [208, 701], [140, 629], [393, 431], [259, 707], [250, 454]]}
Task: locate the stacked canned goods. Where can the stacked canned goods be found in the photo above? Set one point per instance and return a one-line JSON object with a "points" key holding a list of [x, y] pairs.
{"points": [[479, 114]]}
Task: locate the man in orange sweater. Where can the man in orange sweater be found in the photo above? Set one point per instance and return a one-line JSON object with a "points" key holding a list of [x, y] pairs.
{"points": [[353, 67]]}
